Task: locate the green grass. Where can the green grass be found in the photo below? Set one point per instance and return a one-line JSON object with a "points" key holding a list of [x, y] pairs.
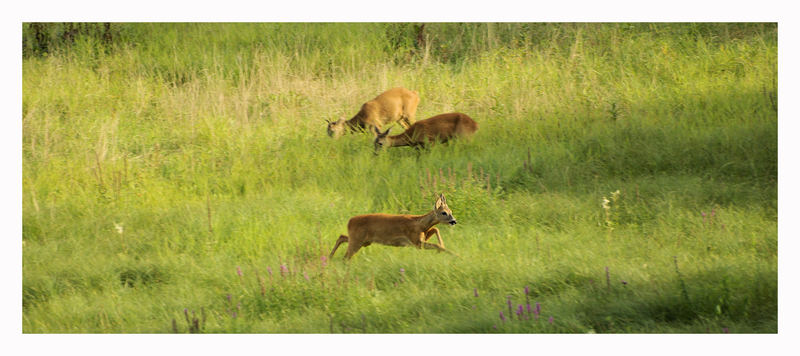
{"points": [[205, 144]]}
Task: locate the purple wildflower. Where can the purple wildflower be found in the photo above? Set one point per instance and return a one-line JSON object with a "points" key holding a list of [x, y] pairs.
{"points": [[324, 261], [550, 320], [269, 270], [305, 274], [402, 270], [527, 290], [510, 306], [538, 308], [239, 271], [284, 269], [519, 311], [475, 291], [624, 283], [725, 330], [528, 307], [502, 317], [228, 297]]}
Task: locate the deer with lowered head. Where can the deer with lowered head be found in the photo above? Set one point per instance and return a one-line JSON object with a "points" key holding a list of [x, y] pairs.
{"points": [[394, 105], [396, 230], [439, 128]]}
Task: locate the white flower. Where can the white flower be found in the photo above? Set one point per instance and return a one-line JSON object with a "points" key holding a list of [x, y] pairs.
{"points": [[118, 227]]}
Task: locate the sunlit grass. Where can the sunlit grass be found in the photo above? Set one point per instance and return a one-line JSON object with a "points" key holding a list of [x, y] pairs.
{"points": [[156, 170]]}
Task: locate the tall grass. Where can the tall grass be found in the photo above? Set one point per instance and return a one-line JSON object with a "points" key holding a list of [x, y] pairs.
{"points": [[161, 163]]}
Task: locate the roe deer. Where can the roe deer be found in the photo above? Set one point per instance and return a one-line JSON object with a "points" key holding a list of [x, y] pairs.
{"points": [[396, 104], [396, 230], [440, 128]]}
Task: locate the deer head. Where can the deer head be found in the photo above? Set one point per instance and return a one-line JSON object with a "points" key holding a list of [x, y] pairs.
{"points": [[335, 128], [443, 213], [380, 138]]}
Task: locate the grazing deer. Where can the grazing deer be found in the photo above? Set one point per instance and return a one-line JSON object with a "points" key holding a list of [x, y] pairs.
{"points": [[396, 104], [396, 230], [440, 128]]}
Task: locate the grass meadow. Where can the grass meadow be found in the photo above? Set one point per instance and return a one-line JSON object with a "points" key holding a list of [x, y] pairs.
{"points": [[177, 178]]}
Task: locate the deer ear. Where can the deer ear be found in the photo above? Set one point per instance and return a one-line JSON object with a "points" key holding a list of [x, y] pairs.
{"points": [[439, 202]]}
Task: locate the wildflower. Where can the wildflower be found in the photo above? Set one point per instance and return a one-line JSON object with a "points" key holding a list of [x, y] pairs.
{"points": [[605, 203], [305, 275], [475, 291], [519, 311], [118, 227], [269, 270], [228, 297], [527, 290], [550, 320], [284, 269], [510, 305], [238, 271], [324, 261], [538, 309], [725, 330], [624, 283], [528, 307], [402, 270], [502, 317]]}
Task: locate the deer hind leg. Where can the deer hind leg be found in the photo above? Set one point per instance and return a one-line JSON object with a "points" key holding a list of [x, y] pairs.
{"points": [[342, 239], [353, 246], [434, 231]]}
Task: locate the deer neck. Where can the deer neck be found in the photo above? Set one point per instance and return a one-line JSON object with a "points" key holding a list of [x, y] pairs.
{"points": [[402, 139], [425, 222], [354, 123]]}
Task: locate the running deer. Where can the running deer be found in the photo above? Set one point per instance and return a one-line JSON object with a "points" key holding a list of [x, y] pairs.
{"points": [[396, 230], [396, 104], [439, 128]]}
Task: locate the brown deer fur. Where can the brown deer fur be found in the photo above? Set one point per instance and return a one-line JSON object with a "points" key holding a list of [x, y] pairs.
{"points": [[396, 230], [440, 128], [396, 104]]}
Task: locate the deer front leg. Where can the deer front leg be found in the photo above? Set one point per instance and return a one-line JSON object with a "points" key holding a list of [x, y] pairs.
{"points": [[431, 246], [435, 231]]}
